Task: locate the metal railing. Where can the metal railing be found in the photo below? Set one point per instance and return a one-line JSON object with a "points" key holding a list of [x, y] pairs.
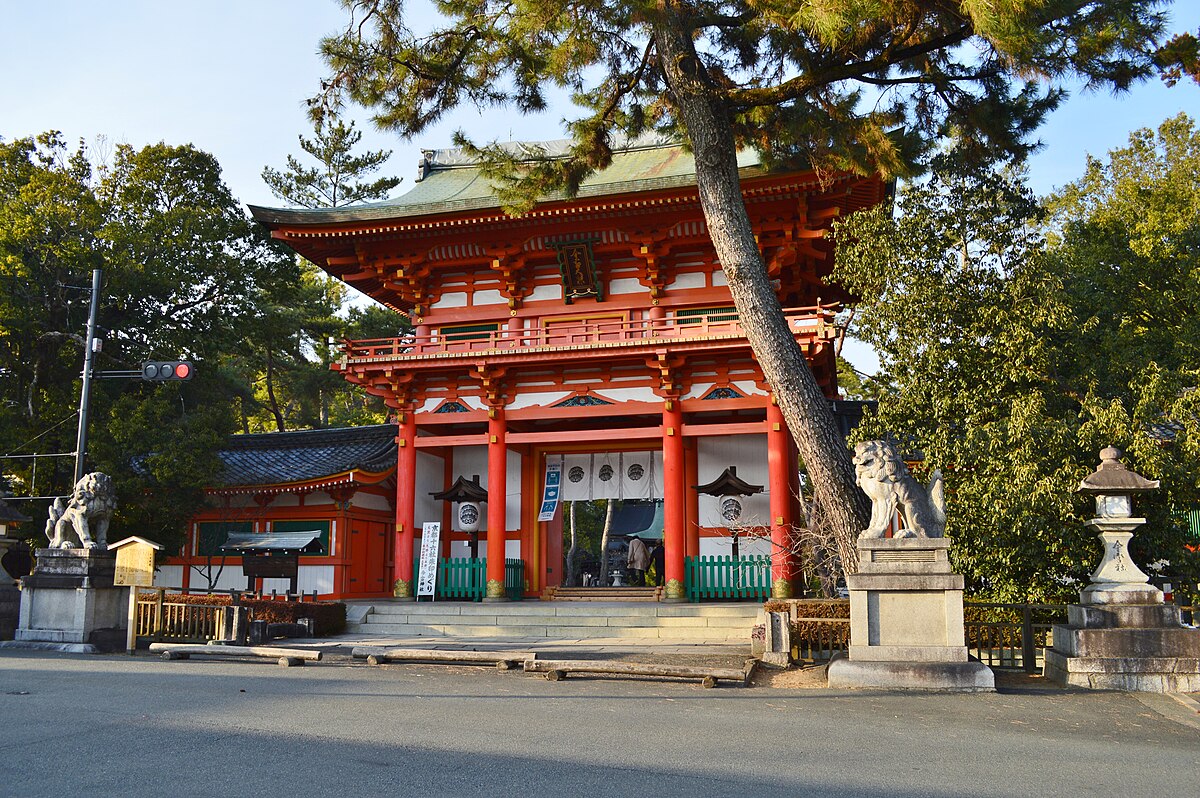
{"points": [[727, 578], [810, 321]]}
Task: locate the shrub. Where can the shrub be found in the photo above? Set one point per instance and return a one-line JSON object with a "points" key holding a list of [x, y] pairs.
{"points": [[329, 617]]}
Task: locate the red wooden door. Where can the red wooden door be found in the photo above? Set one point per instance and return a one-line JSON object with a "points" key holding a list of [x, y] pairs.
{"points": [[368, 558]]}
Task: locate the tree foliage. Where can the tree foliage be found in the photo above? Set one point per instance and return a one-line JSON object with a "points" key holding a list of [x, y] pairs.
{"points": [[864, 85], [299, 315], [181, 260], [338, 180], [1018, 338]]}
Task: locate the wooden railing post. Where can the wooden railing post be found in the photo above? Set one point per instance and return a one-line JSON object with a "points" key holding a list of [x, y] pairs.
{"points": [[159, 593], [1028, 649]]}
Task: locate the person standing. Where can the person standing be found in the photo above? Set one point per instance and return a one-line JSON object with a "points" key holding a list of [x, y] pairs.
{"points": [[658, 555], [637, 561]]}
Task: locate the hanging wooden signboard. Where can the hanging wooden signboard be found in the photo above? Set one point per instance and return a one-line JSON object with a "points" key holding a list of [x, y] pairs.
{"points": [[578, 269]]}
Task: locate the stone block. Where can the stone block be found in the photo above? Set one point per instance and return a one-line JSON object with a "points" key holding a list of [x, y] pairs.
{"points": [[1127, 643], [1123, 616], [902, 653], [963, 677], [1120, 594], [904, 581], [1127, 674]]}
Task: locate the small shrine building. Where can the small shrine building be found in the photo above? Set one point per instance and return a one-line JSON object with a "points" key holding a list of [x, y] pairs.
{"points": [[590, 341]]}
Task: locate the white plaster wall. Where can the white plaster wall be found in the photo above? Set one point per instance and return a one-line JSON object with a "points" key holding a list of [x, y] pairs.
{"points": [[723, 547], [285, 500], [631, 394], [309, 578], [319, 497], [749, 388], [371, 501], [490, 297], [625, 285], [718, 277], [537, 399], [429, 480], [231, 577], [512, 549], [472, 460], [545, 292], [689, 280], [169, 576], [452, 299], [749, 454]]}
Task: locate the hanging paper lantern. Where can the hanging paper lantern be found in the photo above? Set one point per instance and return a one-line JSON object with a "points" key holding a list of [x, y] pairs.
{"points": [[731, 510], [468, 517]]}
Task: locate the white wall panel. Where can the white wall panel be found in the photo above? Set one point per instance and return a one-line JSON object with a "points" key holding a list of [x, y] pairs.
{"points": [[490, 297], [749, 454], [429, 480], [170, 576], [373, 501]]}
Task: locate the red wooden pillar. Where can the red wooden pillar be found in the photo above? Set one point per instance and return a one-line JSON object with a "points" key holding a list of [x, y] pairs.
{"points": [[674, 495], [497, 487], [406, 507], [780, 486]]}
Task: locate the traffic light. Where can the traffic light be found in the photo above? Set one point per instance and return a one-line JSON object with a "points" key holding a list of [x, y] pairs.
{"points": [[168, 371]]}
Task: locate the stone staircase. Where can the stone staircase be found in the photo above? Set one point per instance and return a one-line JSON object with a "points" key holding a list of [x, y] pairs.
{"points": [[554, 620]]}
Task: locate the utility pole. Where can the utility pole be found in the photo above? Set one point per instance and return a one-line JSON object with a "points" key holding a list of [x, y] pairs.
{"points": [[85, 394]]}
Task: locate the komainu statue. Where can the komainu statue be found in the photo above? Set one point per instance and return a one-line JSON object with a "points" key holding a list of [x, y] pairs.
{"points": [[884, 477], [83, 521]]}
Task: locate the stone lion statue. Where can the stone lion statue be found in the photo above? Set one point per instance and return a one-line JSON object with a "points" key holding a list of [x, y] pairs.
{"points": [[83, 521], [885, 479]]}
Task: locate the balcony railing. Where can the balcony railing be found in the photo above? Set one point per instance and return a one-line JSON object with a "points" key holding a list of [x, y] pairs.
{"points": [[812, 322]]}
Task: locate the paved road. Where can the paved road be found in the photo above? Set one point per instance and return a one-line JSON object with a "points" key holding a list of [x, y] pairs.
{"points": [[99, 726]]}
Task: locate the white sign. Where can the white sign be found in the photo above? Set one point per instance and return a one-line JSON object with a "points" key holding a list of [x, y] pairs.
{"points": [[550, 493], [431, 534]]}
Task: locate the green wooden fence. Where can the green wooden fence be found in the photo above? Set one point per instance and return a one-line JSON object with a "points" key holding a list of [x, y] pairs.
{"points": [[727, 578], [1194, 523], [465, 578]]}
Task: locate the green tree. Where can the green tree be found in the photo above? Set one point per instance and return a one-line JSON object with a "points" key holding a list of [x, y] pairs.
{"points": [[338, 180], [180, 260], [299, 315], [1013, 359], [845, 84]]}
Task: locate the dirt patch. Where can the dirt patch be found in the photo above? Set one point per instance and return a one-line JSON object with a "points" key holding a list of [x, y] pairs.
{"points": [[808, 677]]}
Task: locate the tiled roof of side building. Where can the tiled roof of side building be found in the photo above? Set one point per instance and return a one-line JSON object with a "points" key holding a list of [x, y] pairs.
{"points": [[451, 182], [283, 457]]}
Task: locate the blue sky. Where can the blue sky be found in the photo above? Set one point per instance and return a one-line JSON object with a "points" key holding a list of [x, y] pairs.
{"points": [[231, 77]]}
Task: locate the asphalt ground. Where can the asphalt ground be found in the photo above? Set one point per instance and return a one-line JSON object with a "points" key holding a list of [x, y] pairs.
{"points": [[115, 725]]}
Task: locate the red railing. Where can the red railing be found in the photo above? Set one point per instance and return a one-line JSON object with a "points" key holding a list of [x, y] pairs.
{"points": [[809, 322]]}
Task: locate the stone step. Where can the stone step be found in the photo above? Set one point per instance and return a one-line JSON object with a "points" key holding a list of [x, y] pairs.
{"points": [[690, 634]]}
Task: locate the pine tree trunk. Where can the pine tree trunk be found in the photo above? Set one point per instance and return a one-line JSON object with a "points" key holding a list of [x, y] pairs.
{"points": [[271, 400], [805, 408]]}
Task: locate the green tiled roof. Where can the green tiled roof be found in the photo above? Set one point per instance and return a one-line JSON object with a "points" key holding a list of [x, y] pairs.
{"points": [[452, 183]]}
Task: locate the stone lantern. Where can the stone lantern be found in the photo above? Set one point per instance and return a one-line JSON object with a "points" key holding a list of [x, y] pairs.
{"points": [[1113, 485], [1121, 635]]}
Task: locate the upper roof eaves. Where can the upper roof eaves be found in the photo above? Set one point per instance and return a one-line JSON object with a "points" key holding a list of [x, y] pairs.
{"points": [[451, 183]]}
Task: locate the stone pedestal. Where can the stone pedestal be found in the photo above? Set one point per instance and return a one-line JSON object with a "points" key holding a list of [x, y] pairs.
{"points": [[69, 599], [906, 621], [1125, 639]]}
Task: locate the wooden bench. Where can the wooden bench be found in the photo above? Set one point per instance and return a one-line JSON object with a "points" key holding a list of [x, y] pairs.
{"points": [[556, 670], [503, 660], [286, 657]]}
